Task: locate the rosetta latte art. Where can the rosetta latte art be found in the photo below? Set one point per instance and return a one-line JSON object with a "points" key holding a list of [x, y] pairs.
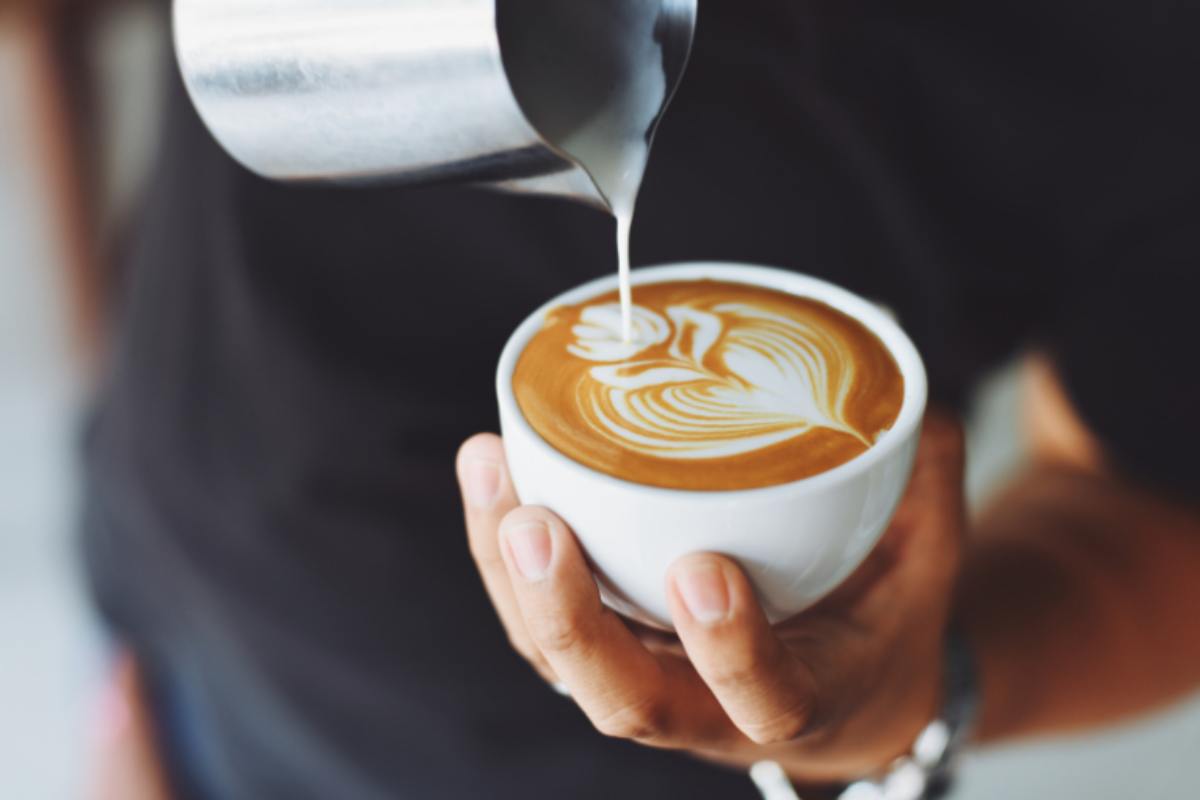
{"points": [[735, 378], [721, 386]]}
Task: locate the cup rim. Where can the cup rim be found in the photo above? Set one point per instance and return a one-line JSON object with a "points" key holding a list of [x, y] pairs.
{"points": [[877, 319]]}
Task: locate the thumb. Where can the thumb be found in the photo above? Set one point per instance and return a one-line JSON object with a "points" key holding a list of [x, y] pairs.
{"points": [[767, 693]]}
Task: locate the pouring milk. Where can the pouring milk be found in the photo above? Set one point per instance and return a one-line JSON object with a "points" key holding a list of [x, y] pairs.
{"points": [[597, 88]]}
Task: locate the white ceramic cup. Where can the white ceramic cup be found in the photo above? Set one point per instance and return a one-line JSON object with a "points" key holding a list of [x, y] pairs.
{"points": [[796, 541]]}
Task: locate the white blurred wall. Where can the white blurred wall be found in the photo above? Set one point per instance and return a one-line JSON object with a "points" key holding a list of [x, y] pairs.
{"points": [[47, 649]]}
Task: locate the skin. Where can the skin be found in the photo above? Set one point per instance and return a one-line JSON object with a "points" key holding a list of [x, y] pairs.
{"points": [[1077, 591], [125, 762]]}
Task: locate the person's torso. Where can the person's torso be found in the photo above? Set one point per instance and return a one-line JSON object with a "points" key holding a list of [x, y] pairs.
{"points": [[296, 365]]}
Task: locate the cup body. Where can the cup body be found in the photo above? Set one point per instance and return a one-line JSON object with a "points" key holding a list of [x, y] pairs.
{"points": [[797, 541]]}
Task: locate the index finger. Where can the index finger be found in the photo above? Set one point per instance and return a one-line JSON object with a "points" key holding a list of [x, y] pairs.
{"points": [[488, 495]]}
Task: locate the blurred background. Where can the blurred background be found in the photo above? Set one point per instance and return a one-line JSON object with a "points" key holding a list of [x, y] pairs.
{"points": [[52, 656]]}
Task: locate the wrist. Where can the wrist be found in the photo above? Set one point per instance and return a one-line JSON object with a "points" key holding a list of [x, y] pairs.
{"points": [[927, 770]]}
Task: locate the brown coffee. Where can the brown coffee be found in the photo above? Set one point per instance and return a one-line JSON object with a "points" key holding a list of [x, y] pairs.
{"points": [[723, 386]]}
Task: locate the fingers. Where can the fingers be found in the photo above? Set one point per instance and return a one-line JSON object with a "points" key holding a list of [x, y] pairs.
{"points": [[932, 514], [625, 690], [941, 460], [764, 690], [487, 496]]}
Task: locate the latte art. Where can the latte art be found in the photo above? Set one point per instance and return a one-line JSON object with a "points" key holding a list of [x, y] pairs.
{"points": [[720, 386], [769, 378]]}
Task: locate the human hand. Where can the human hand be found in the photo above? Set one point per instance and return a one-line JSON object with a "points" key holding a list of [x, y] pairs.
{"points": [[833, 694]]}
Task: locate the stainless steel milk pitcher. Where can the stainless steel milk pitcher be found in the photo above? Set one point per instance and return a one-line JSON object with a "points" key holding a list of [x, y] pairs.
{"points": [[423, 90]]}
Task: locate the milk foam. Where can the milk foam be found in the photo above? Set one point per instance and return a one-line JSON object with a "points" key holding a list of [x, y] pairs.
{"points": [[720, 386], [736, 378]]}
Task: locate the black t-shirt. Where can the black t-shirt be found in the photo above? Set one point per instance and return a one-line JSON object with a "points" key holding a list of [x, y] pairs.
{"points": [[274, 514]]}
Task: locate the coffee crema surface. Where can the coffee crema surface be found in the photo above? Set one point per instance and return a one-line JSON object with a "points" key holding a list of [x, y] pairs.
{"points": [[723, 386]]}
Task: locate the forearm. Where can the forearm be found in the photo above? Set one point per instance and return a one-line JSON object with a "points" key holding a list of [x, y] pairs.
{"points": [[1081, 598]]}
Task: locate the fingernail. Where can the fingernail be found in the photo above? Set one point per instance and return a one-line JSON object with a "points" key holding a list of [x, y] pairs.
{"points": [[704, 591], [531, 548], [482, 483]]}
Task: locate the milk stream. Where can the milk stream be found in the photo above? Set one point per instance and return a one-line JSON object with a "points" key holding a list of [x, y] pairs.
{"points": [[614, 145], [592, 79], [624, 273]]}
